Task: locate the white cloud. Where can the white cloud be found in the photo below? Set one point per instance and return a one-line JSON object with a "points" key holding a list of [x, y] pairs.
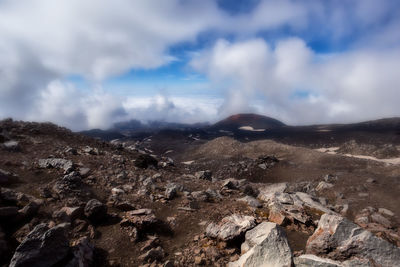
{"points": [[173, 109], [65, 104], [44, 41], [349, 86]]}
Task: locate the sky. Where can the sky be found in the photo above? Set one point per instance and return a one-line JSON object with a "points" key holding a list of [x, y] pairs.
{"points": [[88, 64]]}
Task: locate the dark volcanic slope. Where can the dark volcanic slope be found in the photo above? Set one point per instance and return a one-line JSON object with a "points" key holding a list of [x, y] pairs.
{"points": [[166, 199]]}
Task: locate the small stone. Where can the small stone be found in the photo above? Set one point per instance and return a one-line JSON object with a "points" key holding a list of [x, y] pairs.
{"points": [[171, 191], [204, 175], [386, 212], [12, 146], [199, 260], [155, 254]]}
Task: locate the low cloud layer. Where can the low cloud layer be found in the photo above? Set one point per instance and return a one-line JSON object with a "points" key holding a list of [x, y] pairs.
{"points": [[264, 59], [301, 86]]}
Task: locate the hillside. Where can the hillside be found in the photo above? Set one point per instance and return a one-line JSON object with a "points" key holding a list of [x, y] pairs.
{"points": [[191, 202]]}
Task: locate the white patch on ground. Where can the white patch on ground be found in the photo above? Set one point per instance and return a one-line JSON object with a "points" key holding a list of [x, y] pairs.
{"points": [[249, 128], [333, 151], [188, 162], [329, 150]]}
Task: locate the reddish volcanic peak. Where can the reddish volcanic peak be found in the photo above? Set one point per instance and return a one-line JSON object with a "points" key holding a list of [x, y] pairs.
{"points": [[253, 120]]}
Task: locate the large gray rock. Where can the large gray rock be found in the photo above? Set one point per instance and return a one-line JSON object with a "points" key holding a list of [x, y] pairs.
{"points": [[265, 246], [309, 260], [230, 227], [57, 163], [268, 191], [42, 247], [340, 239]]}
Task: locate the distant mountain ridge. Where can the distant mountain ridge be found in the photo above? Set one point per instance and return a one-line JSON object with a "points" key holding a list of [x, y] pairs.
{"points": [[244, 126]]}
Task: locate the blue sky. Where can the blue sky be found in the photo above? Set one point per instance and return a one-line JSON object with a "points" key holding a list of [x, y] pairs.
{"points": [[90, 64]]}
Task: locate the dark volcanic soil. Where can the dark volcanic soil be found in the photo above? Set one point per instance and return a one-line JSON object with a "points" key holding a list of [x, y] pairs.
{"points": [[182, 219]]}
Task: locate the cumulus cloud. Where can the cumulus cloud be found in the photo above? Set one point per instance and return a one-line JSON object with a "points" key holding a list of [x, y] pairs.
{"points": [[63, 103], [45, 41], [173, 109], [299, 85]]}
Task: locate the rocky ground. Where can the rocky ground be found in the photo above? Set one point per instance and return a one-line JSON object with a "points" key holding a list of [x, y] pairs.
{"points": [[69, 200]]}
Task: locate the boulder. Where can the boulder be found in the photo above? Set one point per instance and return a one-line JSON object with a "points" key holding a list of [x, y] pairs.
{"points": [[12, 146], [17, 198], [267, 192], [141, 219], [309, 260], [230, 183], [68, 214], [303, 199], [68, 184], [171, 191], [90, 150], [204, 175], [95, 211], [200, 196], [266, 245], [231, 227], [42, 247], [340, 239], [57, 163], [82, 251], [251, 201], [386, 212], [323, 186], [154, 254]]}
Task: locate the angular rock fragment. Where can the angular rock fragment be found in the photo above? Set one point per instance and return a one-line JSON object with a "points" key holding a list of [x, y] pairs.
{"points": [[42, 247], [154, 254], [309, 260], [12, 145], [57, 163], [142, 219], [82, 251], [171, 191], [70, 184], [267, 192], [230, 227], [204, 175], [95, 211], [68, 214], [340, 239], [251, 201], [265, 245]]}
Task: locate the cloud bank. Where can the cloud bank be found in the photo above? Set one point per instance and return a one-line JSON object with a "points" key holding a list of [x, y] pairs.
{"points": [[300, 85], [299, 61]]}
